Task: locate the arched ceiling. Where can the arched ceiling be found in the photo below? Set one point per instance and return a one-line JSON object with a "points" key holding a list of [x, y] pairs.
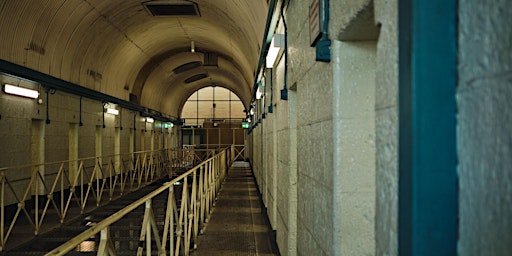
{"points": [[117, 47]]}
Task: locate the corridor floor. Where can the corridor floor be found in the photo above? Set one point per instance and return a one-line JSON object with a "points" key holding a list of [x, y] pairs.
{"points": [[238, 224]]}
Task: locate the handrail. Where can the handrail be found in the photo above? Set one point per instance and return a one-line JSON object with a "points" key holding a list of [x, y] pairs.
{"points": [[196, 205], [82, 184]]}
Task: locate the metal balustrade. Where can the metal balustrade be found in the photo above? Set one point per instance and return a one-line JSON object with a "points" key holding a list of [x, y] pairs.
{"points": [[66, 189], [185, 215]]}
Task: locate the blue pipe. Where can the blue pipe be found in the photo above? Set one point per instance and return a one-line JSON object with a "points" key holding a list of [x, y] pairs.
{"points": [[270, 26], [323, 46], [284, 91]]}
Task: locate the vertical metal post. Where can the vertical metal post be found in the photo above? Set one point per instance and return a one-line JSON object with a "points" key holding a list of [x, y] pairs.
{"points": [[148, 228], [36, 211], [185, 216], [171, 220], [2, 213]]}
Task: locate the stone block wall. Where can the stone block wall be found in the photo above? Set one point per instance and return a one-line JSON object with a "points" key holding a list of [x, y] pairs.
{"points": [[484, 140], [24, 132]]}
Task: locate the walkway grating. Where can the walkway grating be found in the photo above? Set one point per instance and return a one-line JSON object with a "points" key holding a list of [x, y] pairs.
{"points": [[238, 224], [128, 226]]}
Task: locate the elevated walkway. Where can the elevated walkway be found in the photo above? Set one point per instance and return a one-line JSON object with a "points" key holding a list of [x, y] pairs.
{"points": [[238, 224], [124, 231], [156, 202], [167, 216]]}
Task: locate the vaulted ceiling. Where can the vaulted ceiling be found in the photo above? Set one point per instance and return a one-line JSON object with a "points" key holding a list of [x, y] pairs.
{"points": [[159, 52]]}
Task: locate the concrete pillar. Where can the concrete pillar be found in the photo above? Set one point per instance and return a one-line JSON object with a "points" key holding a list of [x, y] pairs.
{"points": [[292, 174], [38, 150], [99, 144], [353, 147], [73, 151], [117, 148], [386, 125]]}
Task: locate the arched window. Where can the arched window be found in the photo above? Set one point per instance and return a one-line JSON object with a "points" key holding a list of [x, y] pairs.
{"points": [[212, 105]]}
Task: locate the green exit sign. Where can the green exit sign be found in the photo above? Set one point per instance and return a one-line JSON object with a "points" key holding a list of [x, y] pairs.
{"points": [[245, 125]]}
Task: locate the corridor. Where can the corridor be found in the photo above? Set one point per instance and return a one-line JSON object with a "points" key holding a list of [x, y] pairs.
{"points": [[371, 127], [238, 224]]}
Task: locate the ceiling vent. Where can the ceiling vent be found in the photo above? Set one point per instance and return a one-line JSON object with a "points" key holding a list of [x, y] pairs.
{"points": [[211, 59], [172, 8], [196, 78], [187, 66]]}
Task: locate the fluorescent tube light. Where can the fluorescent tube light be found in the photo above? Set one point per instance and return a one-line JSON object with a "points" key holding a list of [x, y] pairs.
{"points": [[150, 120], [112, 111], [258, 93], [273, 50], [20, 91]]}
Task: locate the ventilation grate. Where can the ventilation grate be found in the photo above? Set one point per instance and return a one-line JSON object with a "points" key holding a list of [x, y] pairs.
{"points": [[196, 78], [172, 8], [187, 66], [211, 59]]}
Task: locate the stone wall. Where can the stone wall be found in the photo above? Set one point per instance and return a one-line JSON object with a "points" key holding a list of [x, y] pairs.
{"points": [[310, 201], [386, 126], [484, 135]]}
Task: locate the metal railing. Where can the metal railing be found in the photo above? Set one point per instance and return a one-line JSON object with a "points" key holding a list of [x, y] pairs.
{"points": [[238, 150], [185, 217], [31, 193]]}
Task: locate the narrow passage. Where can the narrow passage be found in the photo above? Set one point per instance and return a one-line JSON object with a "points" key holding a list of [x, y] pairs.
{"points": [[238, 224]]}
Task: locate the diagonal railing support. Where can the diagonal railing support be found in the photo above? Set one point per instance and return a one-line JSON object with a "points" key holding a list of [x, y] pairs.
{"points": [[181, 227]]}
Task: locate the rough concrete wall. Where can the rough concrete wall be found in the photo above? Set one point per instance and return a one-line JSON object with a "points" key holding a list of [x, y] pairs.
{"points": [[343, 12], [314, 107], [314, 132], [15, 125], [314, 136], [484, 127], [256, 158], [270, 172], [314, 154], [386, 122], [286, 170], [354, 148]]}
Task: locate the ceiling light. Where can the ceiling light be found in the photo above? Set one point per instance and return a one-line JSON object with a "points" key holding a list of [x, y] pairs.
{"points": [[20, 91], [150, 120]]}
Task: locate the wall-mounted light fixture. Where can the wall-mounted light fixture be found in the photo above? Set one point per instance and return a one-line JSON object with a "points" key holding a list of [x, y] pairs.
{"points": [[273, 51], [150, 120], [258, 93], [112, 111], [20, 91]]}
